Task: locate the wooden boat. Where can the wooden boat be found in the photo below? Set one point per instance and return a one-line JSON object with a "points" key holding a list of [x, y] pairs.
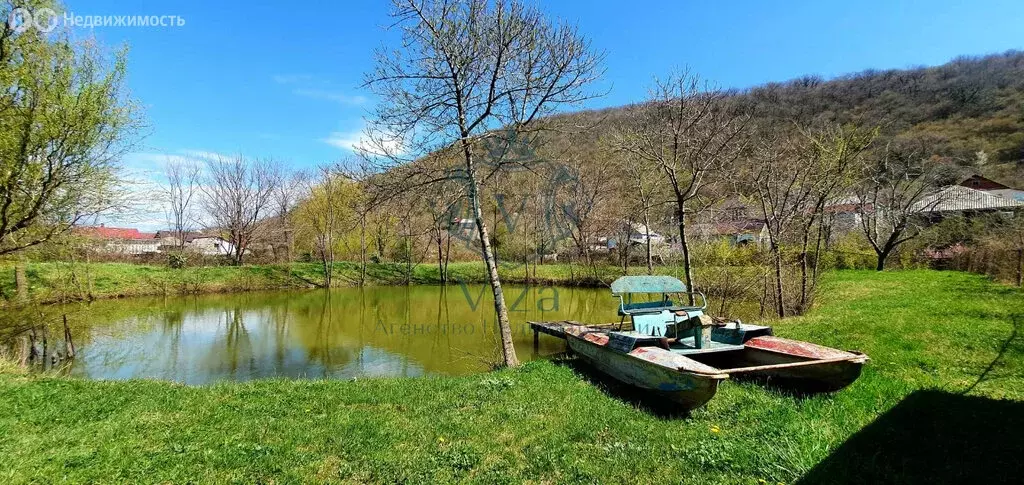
{"points": [[677, 351], [788, 363], [646, 363]]}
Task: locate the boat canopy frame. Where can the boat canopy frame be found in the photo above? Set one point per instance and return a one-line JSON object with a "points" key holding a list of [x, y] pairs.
{"points": [[625, 287]]}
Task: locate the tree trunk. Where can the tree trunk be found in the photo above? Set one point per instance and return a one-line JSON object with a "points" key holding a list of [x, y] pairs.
{"points": [[623, 247], [408, 259], [508, 350], [687, 270], [239, 251], [20, 281], [327, 260], [1020, 268], [447, 255], [440, 259], [822, 227], [88, 277], [26, 352], [779, 294], [69, 345], [764, 295], [881, 260], [288, 246], [647, 236], [803, 268], [362, 250]]}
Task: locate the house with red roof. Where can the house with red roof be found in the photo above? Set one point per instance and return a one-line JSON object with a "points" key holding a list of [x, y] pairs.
{"points": [[120, 240]]}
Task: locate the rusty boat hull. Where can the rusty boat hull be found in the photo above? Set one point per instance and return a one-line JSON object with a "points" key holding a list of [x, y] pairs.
{"points": [[787, 363], [684, 381], [799, 365], [691, 377], [689, 373]]}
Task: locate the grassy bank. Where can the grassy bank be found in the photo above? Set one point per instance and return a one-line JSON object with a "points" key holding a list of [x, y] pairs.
{"points": [[54, 282], [941, 401]]}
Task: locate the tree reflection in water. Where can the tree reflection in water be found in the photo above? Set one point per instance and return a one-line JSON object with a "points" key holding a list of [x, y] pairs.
{"points": [[342, 333]]}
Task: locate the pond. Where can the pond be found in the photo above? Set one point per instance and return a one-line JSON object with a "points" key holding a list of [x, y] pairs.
{"points": [[341, 333]]}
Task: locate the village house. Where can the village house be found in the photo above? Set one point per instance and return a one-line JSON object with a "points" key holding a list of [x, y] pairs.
{"points": [[960, 199], [203, 243], [120, 240], [131, 241], [736, 232], [634, 234], [208, 245], [977, 182], [734, 221]]}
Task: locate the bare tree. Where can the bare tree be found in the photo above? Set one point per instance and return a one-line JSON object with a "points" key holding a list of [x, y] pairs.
{"points": [[469, 71], [588, 208], [441, 210], [690, 131], [832, 155], [642, 190], [898, 188], [784, 186], [287, 196], [239, 195], [180, 191], [795, 173], [368, 195]]}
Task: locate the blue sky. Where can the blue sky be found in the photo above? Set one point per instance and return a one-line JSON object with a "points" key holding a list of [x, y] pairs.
{"points": [[283, 80]]}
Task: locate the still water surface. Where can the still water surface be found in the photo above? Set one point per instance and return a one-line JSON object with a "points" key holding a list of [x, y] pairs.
{"points": [[342, 333]]}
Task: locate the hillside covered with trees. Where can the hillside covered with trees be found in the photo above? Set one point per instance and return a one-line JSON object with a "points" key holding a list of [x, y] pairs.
{"points": [[969, 110]]}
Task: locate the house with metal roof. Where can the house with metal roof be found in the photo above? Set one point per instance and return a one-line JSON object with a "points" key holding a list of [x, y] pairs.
{"points": [[977, 182], [957, 198]]}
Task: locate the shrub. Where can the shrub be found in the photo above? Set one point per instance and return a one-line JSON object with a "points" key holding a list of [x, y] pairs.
{"points": [[177, 260], [849, 252]]}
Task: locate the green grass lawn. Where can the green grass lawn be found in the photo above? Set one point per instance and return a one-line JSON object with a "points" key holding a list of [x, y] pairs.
{"points": [[941, 401]]}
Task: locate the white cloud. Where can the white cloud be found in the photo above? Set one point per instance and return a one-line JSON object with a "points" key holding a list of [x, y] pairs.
{"points": [[151, 160], [206, 156], [314, 87], [347, 141], [333, 96], [358, 141], [157, 162]]}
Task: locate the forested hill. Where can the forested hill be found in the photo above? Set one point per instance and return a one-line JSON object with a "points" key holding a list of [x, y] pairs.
{"points": [[969, 111]]}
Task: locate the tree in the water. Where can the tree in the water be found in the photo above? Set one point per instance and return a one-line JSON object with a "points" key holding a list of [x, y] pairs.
{"points": [[466, 77]]}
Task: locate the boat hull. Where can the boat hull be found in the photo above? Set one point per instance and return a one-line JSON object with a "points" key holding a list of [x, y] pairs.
{"points": [[687, 389], [819, 377], [800, 365]]}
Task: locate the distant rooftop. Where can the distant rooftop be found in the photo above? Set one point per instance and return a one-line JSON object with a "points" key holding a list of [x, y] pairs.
{"points": [[959, 198], [104, 232]]}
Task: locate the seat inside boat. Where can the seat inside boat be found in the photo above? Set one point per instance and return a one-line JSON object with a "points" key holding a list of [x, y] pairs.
{"points": [[654, 309]]}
